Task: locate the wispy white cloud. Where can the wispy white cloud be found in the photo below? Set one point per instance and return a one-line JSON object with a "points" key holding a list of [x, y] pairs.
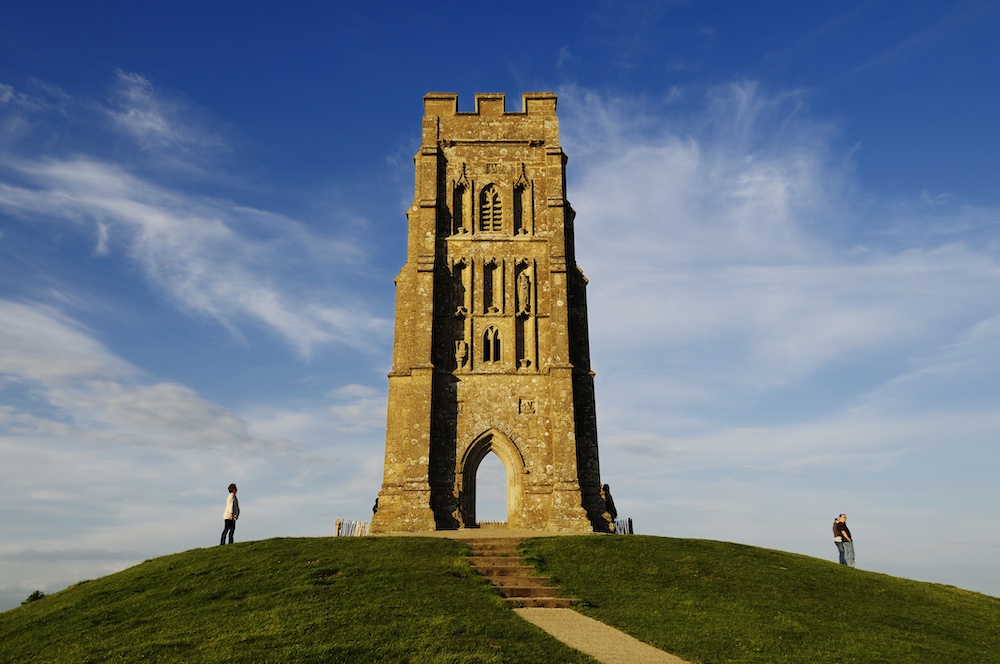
{"points": [[161, 414], [896, 54], [964, 373], [6, 93], [39, 344], [199, 251], [18, 106], [165, 125], [359, 408], [219, 258], [564, 58], [79, 390], [714, 254]]}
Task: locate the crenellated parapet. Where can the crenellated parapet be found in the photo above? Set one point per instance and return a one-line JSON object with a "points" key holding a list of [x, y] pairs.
{"points": [[534, 104]]}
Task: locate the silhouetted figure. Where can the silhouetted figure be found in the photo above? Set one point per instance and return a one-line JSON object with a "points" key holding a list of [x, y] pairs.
{"points": [[609, 502], [375, 507], [523, 293], [230, 515]]}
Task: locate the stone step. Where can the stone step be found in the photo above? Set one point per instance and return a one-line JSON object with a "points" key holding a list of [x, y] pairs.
{"points": [[539, 602], [496, 549], [498, 561], [529, 591], [519, 581], [502, 564], [504, 570], [496, 553]]}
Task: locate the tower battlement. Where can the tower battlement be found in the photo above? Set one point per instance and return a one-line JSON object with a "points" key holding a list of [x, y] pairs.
{"points": [[490, 103]]}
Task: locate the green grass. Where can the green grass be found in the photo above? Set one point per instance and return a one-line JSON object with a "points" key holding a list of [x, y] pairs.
{"points": [[284, 600], [416, 600], [718, 602]]}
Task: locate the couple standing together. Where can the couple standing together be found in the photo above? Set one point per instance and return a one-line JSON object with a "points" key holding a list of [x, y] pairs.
{"points": [[842, 538]]}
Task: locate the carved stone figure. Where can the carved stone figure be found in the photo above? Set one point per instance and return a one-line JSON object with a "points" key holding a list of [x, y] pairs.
{"points": [[461, 205], [523, 293]]}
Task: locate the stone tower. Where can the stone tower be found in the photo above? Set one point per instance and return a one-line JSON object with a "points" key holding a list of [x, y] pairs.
{"points": [[491, 349]]}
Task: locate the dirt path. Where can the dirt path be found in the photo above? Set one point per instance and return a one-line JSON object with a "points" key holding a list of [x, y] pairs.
{"points": [[602, 642]]}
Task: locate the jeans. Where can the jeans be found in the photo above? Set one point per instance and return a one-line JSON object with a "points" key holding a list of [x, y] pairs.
{"points": [[848, 553], [231, 529], [840, 552]]}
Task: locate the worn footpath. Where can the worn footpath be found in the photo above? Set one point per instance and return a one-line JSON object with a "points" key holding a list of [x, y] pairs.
{"points": [[497, 558]]}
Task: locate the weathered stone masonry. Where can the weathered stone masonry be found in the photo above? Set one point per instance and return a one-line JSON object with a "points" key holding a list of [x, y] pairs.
{"points": [[491, 347]]}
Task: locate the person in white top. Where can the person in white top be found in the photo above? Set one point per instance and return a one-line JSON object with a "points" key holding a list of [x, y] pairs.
{"points": [[230, 515]]}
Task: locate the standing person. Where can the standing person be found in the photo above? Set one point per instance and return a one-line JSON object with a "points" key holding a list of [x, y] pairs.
{"points": [[609, 502], [838, 540], [230, 515], [609, 507], [846, 544]]}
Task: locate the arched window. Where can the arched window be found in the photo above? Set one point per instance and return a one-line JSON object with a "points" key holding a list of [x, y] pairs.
{"points": [[491, 345], [490, 209]]}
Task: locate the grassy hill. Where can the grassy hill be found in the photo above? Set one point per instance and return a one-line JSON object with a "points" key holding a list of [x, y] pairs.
{"points": [[718, 602], [416, 600]]}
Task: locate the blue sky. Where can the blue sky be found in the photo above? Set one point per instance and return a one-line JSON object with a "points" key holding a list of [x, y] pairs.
{"points": [[789, 215]]}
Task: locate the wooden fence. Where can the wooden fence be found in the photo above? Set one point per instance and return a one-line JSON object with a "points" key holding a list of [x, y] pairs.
{"points": [[623, 526], [348, 528]]}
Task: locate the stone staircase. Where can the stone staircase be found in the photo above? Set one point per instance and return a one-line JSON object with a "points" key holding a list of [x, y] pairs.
{"points": [[499, 561]]}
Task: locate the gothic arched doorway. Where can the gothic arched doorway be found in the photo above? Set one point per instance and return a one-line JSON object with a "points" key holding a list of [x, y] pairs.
{"points": [[502, 446]]}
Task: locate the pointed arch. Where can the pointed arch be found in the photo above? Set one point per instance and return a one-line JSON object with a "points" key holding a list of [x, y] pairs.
{"points": [[523, 217], [492, 440], [491, 344]]}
